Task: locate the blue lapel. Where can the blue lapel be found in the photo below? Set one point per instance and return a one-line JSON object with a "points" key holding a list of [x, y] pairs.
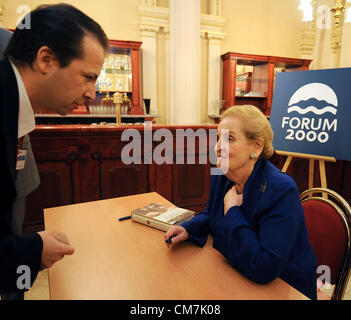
{"points": [[254, 187]]}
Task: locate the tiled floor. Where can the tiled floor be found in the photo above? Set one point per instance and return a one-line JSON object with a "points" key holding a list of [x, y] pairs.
{"points": [[40, 289]]}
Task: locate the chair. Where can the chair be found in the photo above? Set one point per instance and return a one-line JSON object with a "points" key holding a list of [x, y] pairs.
{"points": [[328, 221]]}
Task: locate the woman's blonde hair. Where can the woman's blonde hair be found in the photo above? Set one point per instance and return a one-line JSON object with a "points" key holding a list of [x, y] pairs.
{"points": [[255, 125]]}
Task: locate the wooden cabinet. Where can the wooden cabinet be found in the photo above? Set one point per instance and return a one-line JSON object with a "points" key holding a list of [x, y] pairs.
{"points": [[58, 168], [249, 78], [191, 187], [114, 178], [83, 163], [121, 72]]}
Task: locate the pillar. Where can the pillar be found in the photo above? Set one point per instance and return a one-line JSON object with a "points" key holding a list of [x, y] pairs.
{"points": [[185, 64], [148, 37]]}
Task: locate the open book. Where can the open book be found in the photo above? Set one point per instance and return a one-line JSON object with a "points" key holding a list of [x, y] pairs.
{"points": [[161, 216]]}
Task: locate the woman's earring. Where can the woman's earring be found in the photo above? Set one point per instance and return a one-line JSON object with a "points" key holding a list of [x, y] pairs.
{"points": [[253, 155]]}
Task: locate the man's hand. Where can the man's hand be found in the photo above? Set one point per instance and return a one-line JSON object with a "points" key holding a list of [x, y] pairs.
{"points": [[231, 199], [54, 248], [177, 233]]}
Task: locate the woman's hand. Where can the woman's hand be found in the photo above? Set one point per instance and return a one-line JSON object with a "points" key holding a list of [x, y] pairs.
{"points": [[177, 233], [231, 199]]}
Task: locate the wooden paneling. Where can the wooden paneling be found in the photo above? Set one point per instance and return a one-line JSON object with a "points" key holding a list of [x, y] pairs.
{"points": [[191, 184], [56, 189], [118, 179], [164, 180]]}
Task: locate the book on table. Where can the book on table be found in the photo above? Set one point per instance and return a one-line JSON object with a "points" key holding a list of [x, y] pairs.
{"points": [[161, 216]]}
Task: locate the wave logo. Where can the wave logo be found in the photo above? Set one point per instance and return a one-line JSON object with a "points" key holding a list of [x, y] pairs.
{"points": [[309, 96], [316, 105]]}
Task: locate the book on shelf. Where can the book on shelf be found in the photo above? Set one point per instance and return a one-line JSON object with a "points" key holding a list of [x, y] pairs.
{"points": [[161, 216]]}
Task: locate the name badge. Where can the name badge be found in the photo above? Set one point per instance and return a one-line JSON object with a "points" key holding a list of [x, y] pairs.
{"points": [[21, 159]]}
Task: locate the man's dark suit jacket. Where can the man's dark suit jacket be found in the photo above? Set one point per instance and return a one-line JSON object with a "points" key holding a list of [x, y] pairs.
{"points": [[15, 250], [5, 36]]}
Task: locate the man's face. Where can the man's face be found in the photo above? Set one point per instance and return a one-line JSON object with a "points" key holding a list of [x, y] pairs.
{"points": [[69, 87]]}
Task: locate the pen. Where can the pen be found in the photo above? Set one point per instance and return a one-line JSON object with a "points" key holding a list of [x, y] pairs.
{"points": [[169, 240], [124, 218]]}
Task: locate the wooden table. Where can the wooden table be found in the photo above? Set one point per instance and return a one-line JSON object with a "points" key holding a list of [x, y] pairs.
{"points": [[128, 260]]}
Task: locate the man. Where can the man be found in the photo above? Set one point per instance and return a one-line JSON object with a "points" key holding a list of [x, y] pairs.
{"points": [[53, 65], [27, 178]]}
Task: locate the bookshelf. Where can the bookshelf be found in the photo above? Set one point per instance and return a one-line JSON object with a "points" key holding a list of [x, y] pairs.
{"points": [[249, 78]]}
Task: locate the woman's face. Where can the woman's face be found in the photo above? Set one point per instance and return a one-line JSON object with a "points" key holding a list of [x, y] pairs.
{"points": [[233, 148]]}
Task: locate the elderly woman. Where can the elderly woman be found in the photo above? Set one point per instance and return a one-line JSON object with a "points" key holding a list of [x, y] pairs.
{"points": [[254, 212]]}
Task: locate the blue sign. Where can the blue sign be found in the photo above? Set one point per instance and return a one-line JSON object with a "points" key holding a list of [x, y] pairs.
{"points": [[311, 112]]}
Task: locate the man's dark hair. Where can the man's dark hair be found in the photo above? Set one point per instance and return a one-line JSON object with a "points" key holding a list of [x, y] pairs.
{"points": [[61, 27]]}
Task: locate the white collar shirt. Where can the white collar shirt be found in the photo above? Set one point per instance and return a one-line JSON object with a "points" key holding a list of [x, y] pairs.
{"points": [[26, 118]]}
